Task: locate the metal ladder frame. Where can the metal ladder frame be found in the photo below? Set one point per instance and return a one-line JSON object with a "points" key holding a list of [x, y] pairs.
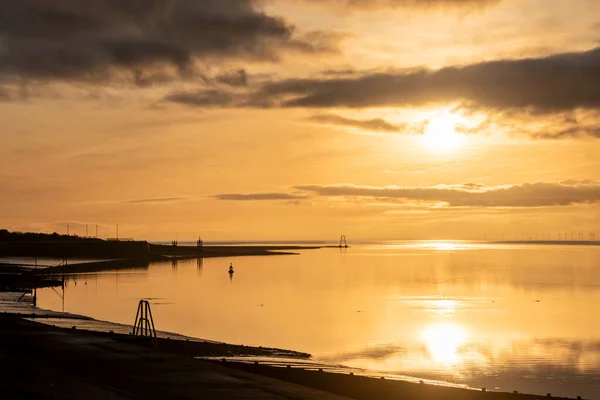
{"points": [[144, 323]]}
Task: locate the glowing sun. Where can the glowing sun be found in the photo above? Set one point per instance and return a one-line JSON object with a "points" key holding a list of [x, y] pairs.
{"points": [[440, 133]]}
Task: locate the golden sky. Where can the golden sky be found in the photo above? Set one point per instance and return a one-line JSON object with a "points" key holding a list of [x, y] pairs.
{"points": [[300, 119]]}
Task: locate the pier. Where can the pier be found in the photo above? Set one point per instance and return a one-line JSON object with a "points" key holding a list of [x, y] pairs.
{"points": [[19, 278]]}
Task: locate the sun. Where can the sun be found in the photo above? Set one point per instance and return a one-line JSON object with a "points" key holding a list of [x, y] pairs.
{"points": [[440, 133]]}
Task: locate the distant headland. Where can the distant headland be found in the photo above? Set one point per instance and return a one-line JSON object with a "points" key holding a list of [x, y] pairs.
{"points": [[29, 244]]}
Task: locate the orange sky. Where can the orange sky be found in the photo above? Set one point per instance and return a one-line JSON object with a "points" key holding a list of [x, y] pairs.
{"points": [[301, 119]]}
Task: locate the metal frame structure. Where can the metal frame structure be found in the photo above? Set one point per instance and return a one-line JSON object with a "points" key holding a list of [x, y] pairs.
{"points": [[343, 242], [144, 323]]}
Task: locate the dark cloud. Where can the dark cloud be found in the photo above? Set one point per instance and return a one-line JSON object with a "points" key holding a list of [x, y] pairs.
{"points": [[259, 196], [536, 86], [321, 41], [157, 200], [549, 84], [17, 91], [95, 40], [377, 124], [569, 132], [339, 72], [5, 94], [202, 98], [539, 194], [233, 78], [580, 124]]}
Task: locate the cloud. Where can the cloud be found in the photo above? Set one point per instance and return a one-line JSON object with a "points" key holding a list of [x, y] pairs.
{"points": [[525, 195], [202, 98], [259, 196], [377, 124], [365, 5], [140, 40], [539, 194], [573, 130], [559, 84], [5, 94], [549, 84], [575, 124], [339, 72], [579, 123], [156, 200], [321, 41], [234, 78]]}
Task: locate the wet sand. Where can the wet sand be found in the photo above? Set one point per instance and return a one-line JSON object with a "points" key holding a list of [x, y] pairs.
{"points": [[42, 362], [368, 388], [46, 362]]}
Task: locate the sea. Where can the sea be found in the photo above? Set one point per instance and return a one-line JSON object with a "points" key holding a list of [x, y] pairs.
{"points": [[507, 317]]}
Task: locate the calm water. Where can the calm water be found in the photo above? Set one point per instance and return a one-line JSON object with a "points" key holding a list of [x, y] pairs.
{"points": [[520, 318]]}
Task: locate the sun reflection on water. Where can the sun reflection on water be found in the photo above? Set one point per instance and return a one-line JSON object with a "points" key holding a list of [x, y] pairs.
{"points": [[443, 341], [446, 307], [443, 245]]}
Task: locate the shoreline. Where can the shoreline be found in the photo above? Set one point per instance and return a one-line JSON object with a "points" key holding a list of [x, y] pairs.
{"points": [[137, 254], [44, 362], [134, 366], [285, 365], [119, 258], [194, 347]]}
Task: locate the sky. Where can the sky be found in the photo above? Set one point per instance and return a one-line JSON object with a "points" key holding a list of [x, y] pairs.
{"points": [[301, 119]]}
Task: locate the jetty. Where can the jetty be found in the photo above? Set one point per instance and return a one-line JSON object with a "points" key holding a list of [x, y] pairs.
{"points": [[23, 280]]}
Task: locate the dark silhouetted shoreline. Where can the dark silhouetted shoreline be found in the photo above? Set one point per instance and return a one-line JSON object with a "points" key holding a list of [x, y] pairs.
{"points": [[70, 363], [119, 254]]}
